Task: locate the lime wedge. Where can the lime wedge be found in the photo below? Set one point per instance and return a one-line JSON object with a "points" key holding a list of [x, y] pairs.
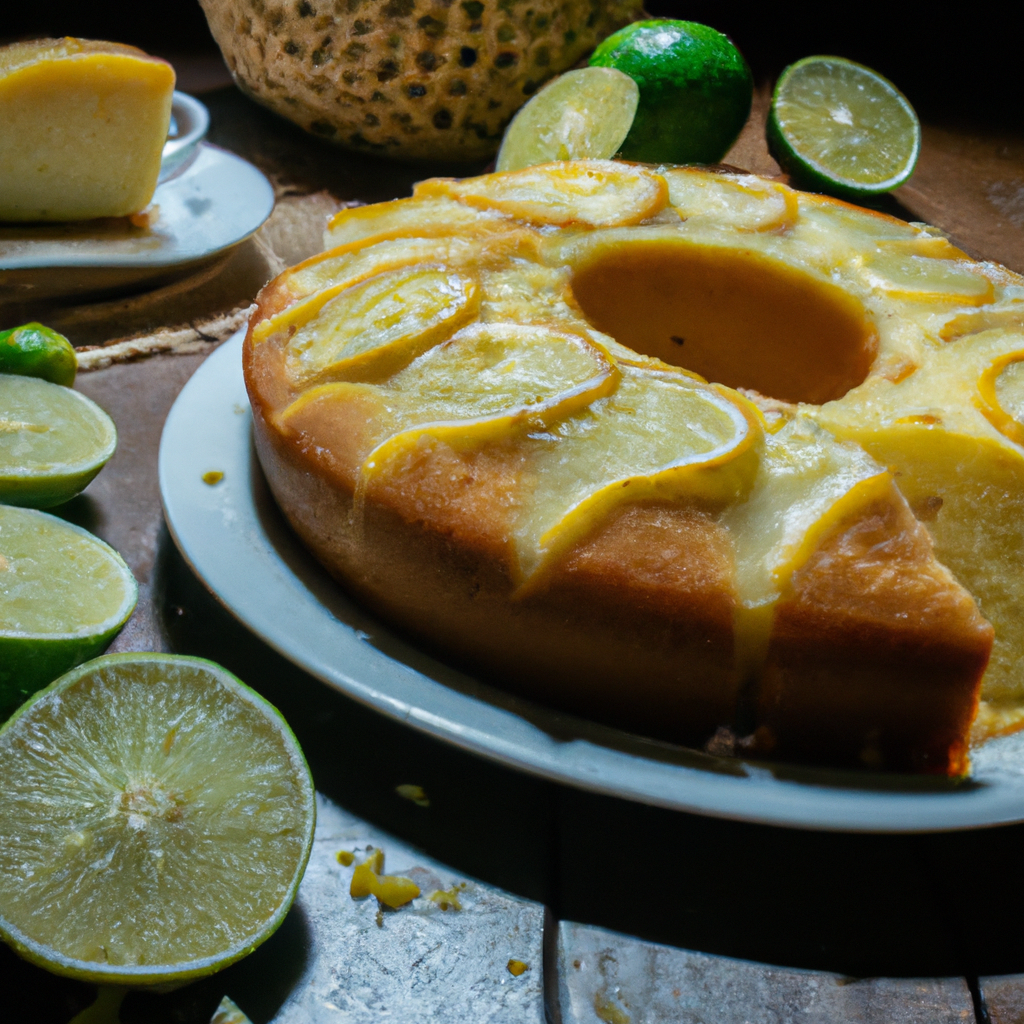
{"points": [[840, 127], [581, 115], [63, 596], [38, 351], [695, 89], [156, 818], [53, 441]]}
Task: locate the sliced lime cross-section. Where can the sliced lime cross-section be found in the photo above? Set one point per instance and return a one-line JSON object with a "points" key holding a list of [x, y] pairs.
{"points": [[63, 596], [840, 127], [53, 441], [582, 115], [155, 821]]}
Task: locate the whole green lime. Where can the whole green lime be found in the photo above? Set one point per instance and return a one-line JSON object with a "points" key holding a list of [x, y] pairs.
{"points": [[38, 351], [695, 90]]}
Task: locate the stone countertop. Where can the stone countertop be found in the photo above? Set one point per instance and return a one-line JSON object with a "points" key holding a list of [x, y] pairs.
{"points": [[622, 912]]}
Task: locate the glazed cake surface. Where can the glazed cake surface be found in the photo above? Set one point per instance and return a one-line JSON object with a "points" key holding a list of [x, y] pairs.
{"points": [[676, 450]]}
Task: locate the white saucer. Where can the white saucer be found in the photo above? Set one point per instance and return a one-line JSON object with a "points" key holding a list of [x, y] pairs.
{"points": [[237, 542]]}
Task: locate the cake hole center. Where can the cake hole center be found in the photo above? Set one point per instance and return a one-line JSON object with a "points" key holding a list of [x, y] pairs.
{"points": [[733, 316]]}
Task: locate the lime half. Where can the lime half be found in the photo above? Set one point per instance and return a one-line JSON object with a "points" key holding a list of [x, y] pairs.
{"points": [[53, 441], [63, 596], [582, 115], [156, 818], [38, 351], [840, 127], [695, 90]]}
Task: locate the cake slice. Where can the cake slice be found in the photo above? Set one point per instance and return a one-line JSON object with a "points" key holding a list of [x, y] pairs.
{"points": [[82, 129]]}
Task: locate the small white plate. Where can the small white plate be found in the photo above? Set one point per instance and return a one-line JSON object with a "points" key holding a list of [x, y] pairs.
{"points": [[208, 200], [237, 542]]}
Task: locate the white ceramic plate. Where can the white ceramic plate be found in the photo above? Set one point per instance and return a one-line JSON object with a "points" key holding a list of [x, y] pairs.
{"points": [[236, 540], [208, 200]]}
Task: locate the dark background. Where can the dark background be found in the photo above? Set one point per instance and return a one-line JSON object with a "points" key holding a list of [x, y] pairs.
{"points": [[961, 65]]}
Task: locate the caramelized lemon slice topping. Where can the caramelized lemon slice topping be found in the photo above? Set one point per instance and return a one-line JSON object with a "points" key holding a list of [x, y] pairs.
{"points": [[490, 381], [346, 266], [806, 482], [925, 279], [301, 292], [661, 436], [478, 246], [730, 203], [593, 193], [376, 327], [490, 370], [440, 216], [1001, 396], [806, 485]]}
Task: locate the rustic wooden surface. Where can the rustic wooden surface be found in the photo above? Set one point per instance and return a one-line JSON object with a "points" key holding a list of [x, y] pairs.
{"points": [[605, 976], [671, 917], [1003, 998]]}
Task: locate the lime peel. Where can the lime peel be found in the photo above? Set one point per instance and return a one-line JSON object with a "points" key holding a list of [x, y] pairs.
{"points": [[38, 351]]}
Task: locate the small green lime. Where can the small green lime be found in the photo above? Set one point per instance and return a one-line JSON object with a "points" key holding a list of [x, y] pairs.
{"points": [[581, 115], [38, 351], [63, 596], [53, 441], [695, 90], [840, 127], [156, 819]]}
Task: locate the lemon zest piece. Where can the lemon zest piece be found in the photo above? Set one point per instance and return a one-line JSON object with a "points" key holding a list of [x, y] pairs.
{"points": [[392, 890]]}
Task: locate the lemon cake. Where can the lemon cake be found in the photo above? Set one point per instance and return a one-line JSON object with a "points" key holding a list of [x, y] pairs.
{"points": [[675, 450]]}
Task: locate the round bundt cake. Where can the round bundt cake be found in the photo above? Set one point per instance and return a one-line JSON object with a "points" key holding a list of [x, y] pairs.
{"points": [[486, 409]]}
